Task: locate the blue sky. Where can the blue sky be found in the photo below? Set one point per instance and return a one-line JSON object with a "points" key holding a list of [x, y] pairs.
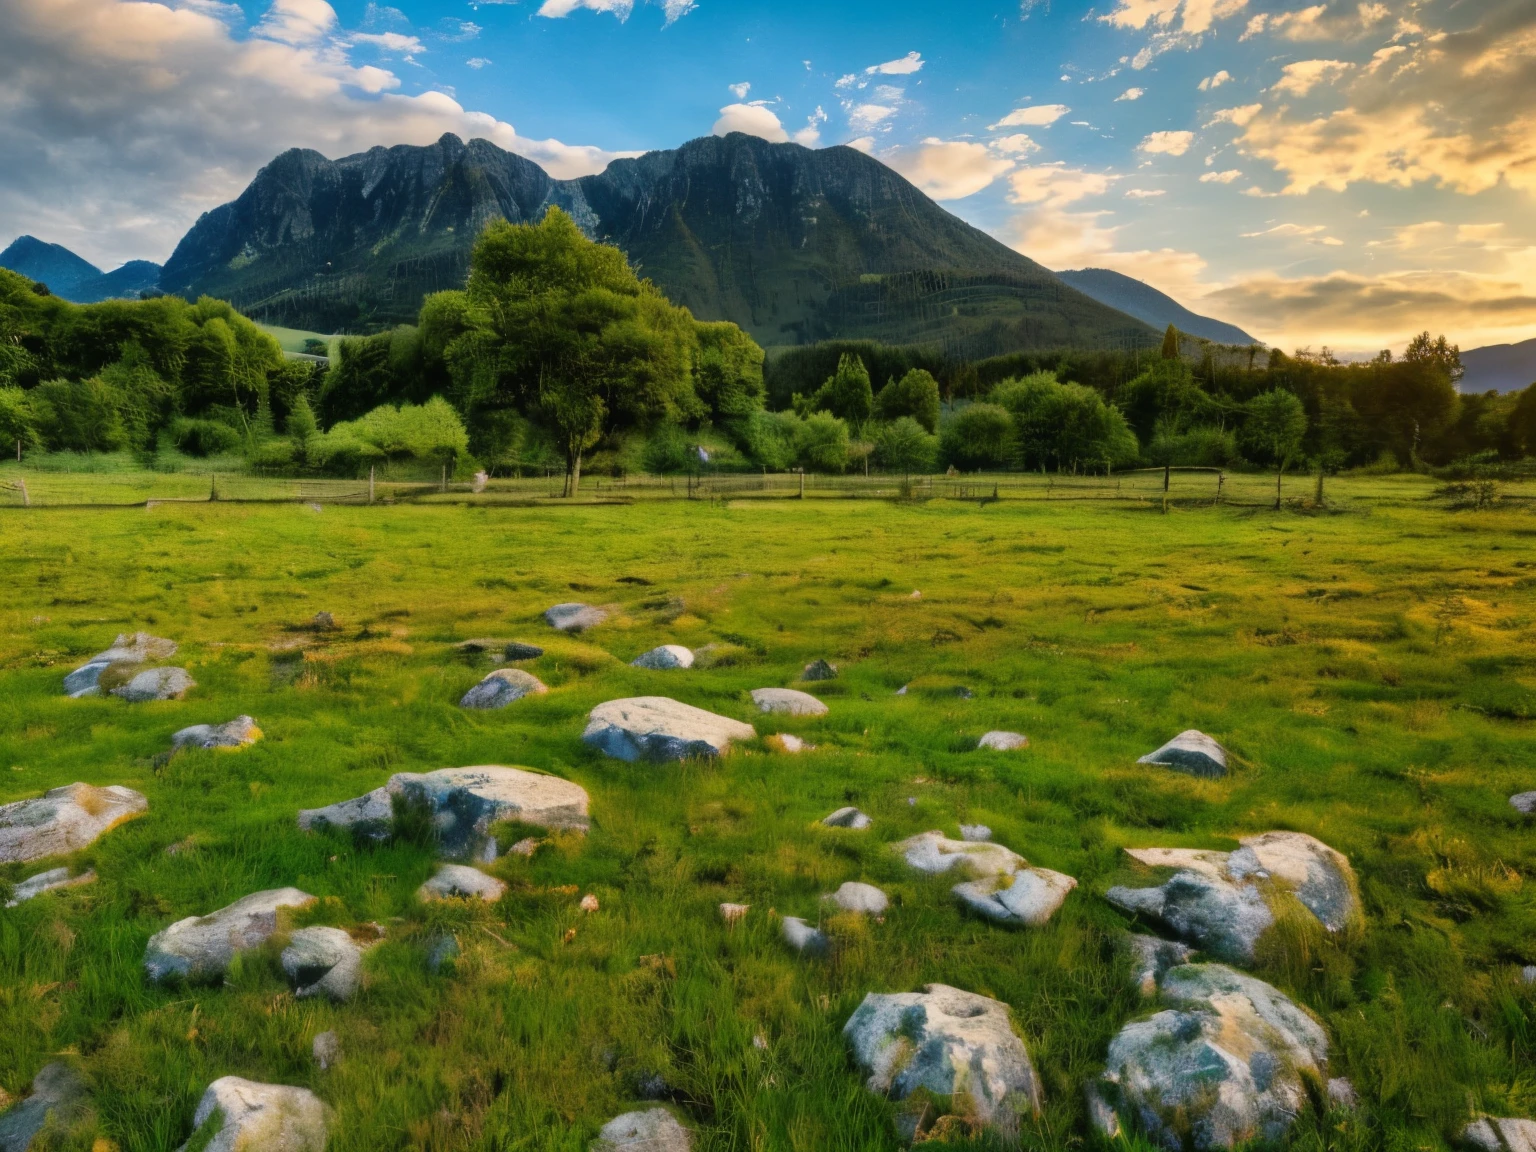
{"points": [[1341, 173]]}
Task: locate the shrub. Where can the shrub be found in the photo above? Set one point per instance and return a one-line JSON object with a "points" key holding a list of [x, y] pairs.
{"points": [[978, 436], [18, 421], [78, 416], [916, 395], [768, 439], [198, 437], [903, 446], [821, 443], [667, 450], [1202, 447]]}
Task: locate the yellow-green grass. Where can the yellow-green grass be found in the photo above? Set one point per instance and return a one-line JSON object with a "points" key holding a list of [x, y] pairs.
{"points": [[292, 339], [1368, 670]]}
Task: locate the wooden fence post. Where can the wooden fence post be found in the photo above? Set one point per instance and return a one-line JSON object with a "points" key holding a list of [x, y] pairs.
{"points": [[802, 483], [370, 483]]}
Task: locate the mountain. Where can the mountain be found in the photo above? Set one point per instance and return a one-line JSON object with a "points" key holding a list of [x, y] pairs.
{"points": [[1499, 367], [125, 283], [1146, 303], [75, 278], [795, 245]]}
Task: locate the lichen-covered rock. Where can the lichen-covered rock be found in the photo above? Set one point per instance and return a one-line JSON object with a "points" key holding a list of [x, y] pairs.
{"points": [[462, 804], [1003, 741], [1191, 751], [819, 670], [202, 947], [253, 1117], [502, 687], [574, 617], [1222, 1064], [933, 852], [128, 649], [659, 728], [665, 658], [803, 938], [1029, 897], [651, 1130], [459, 882], [945, 1041], [156, 684], [1151, 958], [64, 820], [787, 702], [48, 881], [1500, 1134], [847, 818], [853, 896], [57, 1094], [517, 650], [1523, 802], [323, 962], [236, 733]]}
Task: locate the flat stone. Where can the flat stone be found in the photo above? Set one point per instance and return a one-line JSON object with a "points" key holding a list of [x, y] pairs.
{"points": [[484, 644], [462, 804], [502, 687], [264, 1117], [460, 882], [64, 820], [819, 670], [1225, 1063], [665, 658], [57, 1094], [128, 648], [1030, 897], [1320, 877], [1500, 1134], [156, 684], [659, 728], [202, 947], [1151, 958], [803, 938], [517, 650], [1191, 751], [1003, 741], [949, 1042], [574, 617], [933, 853], [48, 881], [326, 1049], [652, 1130], [323, 962], [852, 896], [1223, 918], [977, 832], [236, 733], [1523, 802], [787, 702], [847, 818]]}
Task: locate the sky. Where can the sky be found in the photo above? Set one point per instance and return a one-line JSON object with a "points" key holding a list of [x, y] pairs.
{"points": [[1339, 174]]}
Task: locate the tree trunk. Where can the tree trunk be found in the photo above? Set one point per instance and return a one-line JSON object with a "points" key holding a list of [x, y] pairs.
{"points": [[1279, 472], [573, 473]]}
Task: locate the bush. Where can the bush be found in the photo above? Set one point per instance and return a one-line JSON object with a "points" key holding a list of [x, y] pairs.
{"points": [[204, 437], [18, 421], [667, 451], [978, 436], [1203, 447], [821, 443], [916, 395], [78, 416], [903, 446], [768, 439]]}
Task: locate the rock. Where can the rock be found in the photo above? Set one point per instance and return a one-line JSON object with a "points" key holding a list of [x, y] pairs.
{"points": [[252, 1117], [236, 733], [326, 1049], [323, 962], [1500, 1134], [731, 913], [525, 847], [853, 896], [517, 650], [1003, 741], [803, 938], [462, 804], [1151, 958], [1524, 802], [659, 728], [933, 852], [57, 1094], [574, 617], [948, 1042], [442, 952], [1221, 901], [1223, 1064], [1030, 897], [975, 832], [665, 658], [134, 648], [653, 1130], [819, 670], [202, 947], [787, 702], [1191, 751], [156, 684], [64, 820], [1528, 974], [501, 688], [785, 742], [47, 881], [1342, 1094], [481, 644], [457, 881], [322, 622], [847, 818]]}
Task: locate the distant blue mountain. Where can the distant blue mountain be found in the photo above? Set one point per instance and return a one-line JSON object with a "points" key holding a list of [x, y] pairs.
{"points": [[1150, 306], [126, 282], [1499, 367], [74, 278]]}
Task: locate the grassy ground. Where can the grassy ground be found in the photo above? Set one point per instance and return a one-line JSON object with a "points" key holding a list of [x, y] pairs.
{"points": [[292, 339], [1372, 671]]}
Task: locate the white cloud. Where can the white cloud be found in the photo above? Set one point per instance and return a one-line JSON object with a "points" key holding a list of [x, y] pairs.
{"points": [[297, 22], [1285, 231], [393, 43], [1216, 81], [739, 90], [1304, 75], [1061, 240], [1194, 16], [1226, 177], [810, 135], [1131, 94], [753, 119], [559, 9], [1055, 185], [1032, 116], [1240, 116], [676, 9], [949, 170], [1166, 143], [864, 117], [1144, 193], [865, 144], [908, 64], [477, 62], [1018, 144]]}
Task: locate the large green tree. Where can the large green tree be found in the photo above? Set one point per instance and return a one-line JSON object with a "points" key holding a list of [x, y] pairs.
{"points": [[1276, 426]]}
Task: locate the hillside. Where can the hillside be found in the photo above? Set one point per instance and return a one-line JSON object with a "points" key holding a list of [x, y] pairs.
{"points": [[794, 245], [1146, 303], [73, 277], [1499, 367]]}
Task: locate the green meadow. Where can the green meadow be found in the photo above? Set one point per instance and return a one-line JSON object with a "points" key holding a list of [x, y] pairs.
{"points": [[1372, 672]]}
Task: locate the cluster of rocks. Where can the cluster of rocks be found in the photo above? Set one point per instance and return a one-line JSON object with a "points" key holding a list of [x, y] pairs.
{"points": [[1003, 886], [122, 670]]}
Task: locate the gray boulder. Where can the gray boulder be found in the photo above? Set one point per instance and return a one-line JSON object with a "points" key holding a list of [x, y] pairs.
{"points": [[64, 820], [819, 670], [323, 962], [977, 832], [462, 804], [933, 853], [787, 702], [460, 882], [156, 684], [517, 650], [57, 1095], [266, 1117], [847, 818], [659, 728], [1191, 751], [1500, 1134], [853, 896], [1151, 958], [236, 733], [947, 1042], [803, 938], [1029, 897], [202, 947], [1523, 802], [574, 617], [48, 881], [665, 658], [128, 648], [1224, 1063], [1003, 741], [501, 688], [653, 1130]]}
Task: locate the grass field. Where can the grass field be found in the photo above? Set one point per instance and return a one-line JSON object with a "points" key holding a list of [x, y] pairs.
{"points": [[1372, 670]]}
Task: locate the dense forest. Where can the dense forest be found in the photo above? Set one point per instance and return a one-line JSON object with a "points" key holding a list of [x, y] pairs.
{"points": [[555, 356]]}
